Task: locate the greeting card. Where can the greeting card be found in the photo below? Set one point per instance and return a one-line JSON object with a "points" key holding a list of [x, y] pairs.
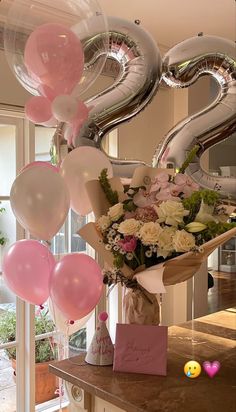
{"points": [[141, 349]]}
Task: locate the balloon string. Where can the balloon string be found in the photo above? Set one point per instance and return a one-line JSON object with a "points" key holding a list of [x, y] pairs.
{"points": [[45, 328], [192, 321], [160, 309]]}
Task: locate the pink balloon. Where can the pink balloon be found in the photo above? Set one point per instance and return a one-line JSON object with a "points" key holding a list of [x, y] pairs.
{"points": [[27, 267], [41, 164], [38, 109], [46, 91], [78, 121], [76, 285], [54, 57]]}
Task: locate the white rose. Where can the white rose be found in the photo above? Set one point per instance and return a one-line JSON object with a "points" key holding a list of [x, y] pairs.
{"points": [[103, 223], [116, 211], [165, 242], [183, 241], [150, 232], [129, 227], [171, 213]]}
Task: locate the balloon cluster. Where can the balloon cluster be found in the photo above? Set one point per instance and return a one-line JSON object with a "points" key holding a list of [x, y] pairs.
{"points": [[45, 47], [40, 197], [74, 283], [54, 58], [56, 61]]}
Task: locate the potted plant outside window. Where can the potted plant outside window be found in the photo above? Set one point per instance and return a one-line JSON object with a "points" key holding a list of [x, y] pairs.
{"points": [[45, 383], [3, 239]]}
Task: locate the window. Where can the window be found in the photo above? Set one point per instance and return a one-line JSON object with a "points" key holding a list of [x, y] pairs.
{"points": [[12, 309], [21, 143]]}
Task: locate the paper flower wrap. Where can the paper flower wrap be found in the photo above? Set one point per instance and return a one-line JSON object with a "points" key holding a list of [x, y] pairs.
{"points": [[153, 279]]}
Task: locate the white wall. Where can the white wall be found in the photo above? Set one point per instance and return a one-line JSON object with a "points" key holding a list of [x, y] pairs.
{"points": [[139, 137]]}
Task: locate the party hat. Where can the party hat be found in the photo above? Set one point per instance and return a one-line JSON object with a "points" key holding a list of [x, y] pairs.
{"points": [[101, 350]]}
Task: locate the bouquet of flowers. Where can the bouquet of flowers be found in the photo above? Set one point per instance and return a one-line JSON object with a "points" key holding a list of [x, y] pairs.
{"points": [[160, 229]]}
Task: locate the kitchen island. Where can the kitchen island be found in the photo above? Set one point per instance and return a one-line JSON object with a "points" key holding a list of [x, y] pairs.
{"points": [[99, 389]]}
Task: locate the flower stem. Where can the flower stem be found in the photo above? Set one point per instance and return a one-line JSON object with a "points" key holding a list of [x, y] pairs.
{"points": [[137, 259], [190, 158]]}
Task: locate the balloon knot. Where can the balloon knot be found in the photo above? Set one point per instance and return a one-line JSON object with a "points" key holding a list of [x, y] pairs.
{"points": [[71, 322], [41, 307]]}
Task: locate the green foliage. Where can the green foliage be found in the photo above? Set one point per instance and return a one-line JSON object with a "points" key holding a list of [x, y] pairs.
{"points": [[189, 158], [53, 155], [77, 341], [129, 205], [193, 202], [216, 229], [118, 261], [111, 195], [43, 350], [2, 238]]}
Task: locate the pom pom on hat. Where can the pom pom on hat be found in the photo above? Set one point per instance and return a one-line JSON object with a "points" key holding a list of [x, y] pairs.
{"points": [[103, 316]]}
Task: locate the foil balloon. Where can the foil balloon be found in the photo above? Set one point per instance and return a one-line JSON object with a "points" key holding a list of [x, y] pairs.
{"points": [[139, 70], [182, 66]]}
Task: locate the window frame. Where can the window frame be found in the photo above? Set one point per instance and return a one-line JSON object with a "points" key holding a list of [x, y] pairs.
{"points": [[11, 115]]}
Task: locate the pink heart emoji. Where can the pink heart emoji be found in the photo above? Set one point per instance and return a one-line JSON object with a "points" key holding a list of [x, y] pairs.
{"points": [[211, 368]]}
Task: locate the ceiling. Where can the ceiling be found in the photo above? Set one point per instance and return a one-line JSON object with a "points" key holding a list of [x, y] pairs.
{"points": [[168, 21], [171, 21]]}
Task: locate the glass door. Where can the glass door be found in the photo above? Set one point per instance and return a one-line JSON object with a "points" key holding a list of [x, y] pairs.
{"points": [[12, 309], [25, 338]]}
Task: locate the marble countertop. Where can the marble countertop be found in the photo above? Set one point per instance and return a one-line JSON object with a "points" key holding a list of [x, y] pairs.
{"points": [[213, 339]]}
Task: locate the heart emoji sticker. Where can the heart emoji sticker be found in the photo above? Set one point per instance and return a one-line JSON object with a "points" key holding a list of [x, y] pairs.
{"points": [[211, 368]]}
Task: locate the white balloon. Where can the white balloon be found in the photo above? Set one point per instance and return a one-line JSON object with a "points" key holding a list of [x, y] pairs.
{"points": [[78, 167], [62, 323], [64, 107]]}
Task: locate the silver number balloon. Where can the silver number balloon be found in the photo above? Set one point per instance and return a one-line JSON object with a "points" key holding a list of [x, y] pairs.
{"points": [[182, 66], [139, 74]]}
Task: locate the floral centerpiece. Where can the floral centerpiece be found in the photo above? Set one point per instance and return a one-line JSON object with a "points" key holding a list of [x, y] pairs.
{"points": [[151, 224]]}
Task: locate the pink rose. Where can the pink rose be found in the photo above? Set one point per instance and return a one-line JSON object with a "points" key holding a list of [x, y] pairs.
{"points": [[128, 244]]}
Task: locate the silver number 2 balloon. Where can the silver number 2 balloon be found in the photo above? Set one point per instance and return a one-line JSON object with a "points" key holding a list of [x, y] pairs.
{"points": [[140, 67], [182, 66]]}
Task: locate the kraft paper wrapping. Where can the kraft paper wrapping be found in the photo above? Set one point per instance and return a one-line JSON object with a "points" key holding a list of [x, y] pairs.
{"points": [[141, 307], [171, 272], [100, 205], [97, 197]]}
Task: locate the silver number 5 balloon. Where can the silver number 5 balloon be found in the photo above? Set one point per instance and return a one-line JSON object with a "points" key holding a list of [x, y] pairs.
{"points": [[182, 66]]}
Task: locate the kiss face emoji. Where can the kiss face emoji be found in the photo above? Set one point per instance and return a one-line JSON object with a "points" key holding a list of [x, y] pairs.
{"points": [[192, 369]]}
